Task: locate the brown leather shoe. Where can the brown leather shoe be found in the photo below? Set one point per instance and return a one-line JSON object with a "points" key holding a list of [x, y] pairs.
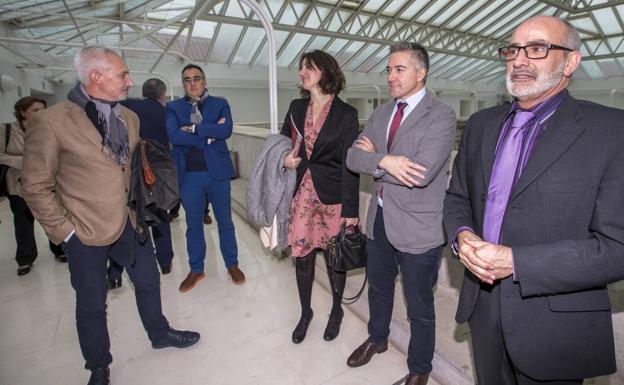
{"points": [[190, 281], [365, 352], [416, 379], [237, 275]]}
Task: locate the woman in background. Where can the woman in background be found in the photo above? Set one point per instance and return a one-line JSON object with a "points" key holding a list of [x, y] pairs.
{"points": [[322, 127], [11, 155]]}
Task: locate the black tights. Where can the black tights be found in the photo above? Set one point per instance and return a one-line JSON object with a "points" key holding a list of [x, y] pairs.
{"points": [[304, 268]]}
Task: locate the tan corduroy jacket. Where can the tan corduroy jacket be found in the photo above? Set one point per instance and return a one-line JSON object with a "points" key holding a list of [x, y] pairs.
{"points": [[69, 180]]}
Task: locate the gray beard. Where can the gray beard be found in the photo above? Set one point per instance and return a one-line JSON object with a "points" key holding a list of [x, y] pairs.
{"points": [[543, 83]]}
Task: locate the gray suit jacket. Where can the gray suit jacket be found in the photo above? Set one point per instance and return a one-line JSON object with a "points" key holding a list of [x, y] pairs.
{"points": [[412, 216], [565, 225]]}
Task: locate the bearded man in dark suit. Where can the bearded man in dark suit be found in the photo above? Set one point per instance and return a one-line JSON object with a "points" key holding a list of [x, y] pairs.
{"points": [[535, 207]]}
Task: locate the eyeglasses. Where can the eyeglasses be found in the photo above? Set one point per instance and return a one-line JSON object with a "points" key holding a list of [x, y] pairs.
{"points": [[532, 51], [194, 79]]}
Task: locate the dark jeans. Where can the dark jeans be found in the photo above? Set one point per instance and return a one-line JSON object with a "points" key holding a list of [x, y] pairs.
{"points": [[420, 273], [23, 222], [87, 267], [492, 362], [164, 250]]}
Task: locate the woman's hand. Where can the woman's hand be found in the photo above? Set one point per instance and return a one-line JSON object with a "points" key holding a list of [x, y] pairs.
{"points": [[350, 221], [291, 162]]}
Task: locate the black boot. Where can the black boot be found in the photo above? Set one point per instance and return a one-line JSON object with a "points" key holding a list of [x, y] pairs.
{"points": [[337, 281], [304, 268], [99, 376]]}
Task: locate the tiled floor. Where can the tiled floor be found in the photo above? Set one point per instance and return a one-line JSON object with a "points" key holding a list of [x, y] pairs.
{"points": [[245, 329]]}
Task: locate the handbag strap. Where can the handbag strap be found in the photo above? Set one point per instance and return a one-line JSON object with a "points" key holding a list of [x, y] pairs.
{"points": [[353, 299], [7, 134]]}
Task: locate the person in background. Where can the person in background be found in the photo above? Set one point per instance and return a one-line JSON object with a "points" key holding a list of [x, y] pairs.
{"points": [[11, 155], [198, 125], [327, 193], [75, 178], [536, 211], [404, 147], [151, 113]]}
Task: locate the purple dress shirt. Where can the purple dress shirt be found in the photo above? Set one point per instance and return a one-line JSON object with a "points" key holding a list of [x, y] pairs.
{"points": [[531, 133]]}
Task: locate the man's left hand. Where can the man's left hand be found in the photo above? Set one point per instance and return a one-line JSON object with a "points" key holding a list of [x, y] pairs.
{"points": [[498, 259]]}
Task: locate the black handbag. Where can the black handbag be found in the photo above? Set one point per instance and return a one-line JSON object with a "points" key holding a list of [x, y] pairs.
{"points": [[4, 190], [347, 251]]}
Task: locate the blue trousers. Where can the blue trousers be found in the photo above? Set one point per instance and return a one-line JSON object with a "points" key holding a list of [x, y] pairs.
{"points": [[87, 268], [197, 191], [420, 274], [164, 250]]}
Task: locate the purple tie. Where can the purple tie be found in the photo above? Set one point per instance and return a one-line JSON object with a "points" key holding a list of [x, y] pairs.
{"points": [[503, 174]]}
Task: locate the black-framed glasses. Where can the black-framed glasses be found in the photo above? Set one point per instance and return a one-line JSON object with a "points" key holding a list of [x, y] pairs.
{"points": [[532, 51], [194, 79]]}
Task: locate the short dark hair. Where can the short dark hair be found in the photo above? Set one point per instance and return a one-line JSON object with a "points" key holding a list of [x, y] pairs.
{"points": [[419, 52], [189, 66], [154, 88], [332, 79], [24, 103]]}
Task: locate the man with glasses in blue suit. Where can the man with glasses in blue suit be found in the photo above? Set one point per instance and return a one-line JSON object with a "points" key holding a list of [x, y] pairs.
{"points": [[198, 125]]}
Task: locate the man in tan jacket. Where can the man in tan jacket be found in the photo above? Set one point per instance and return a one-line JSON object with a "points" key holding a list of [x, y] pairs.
{"points": [[75, 178]]}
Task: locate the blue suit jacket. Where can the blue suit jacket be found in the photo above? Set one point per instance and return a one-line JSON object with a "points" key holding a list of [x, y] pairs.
{"points": [[152, 118], [216, 154]]}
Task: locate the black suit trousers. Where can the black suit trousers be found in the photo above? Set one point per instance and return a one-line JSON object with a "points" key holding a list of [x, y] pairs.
{"points": [[87, 267], [492, 362], [420, 274], [24, 224]]}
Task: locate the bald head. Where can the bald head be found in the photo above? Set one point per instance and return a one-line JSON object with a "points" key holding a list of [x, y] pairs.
{"points": [[552, 45], [562, 30]]}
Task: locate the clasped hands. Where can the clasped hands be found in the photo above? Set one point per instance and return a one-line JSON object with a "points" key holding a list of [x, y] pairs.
{"points": [[487, 261], [402, 168], [191, 127]]}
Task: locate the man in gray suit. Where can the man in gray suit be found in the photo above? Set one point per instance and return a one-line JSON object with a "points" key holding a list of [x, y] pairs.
{"points": [[405, 146], [536, 209]]}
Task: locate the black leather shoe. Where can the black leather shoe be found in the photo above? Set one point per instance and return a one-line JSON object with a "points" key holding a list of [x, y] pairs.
{"points": [[165, 269], [172, 215], [23, 270], [100, 376], [61, 258], [333, 326], [365, 352], [114, 283], [176, 339], [299, 334]]}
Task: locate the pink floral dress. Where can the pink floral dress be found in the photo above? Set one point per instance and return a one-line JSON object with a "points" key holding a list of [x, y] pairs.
{"points": [[312, 223]]}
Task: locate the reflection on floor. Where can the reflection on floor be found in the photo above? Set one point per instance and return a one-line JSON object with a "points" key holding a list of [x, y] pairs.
{"points": [[245, 329]]}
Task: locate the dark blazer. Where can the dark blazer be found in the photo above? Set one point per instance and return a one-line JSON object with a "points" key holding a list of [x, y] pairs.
{"points": [[152, 117], [565, 225], [216, 154], [333, 182]]}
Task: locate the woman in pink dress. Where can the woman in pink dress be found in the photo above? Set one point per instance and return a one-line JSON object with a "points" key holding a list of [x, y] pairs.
{"points": [[322, 128]]}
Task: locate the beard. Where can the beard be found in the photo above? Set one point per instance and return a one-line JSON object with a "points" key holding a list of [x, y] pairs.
{"points": [[542, 81]]}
